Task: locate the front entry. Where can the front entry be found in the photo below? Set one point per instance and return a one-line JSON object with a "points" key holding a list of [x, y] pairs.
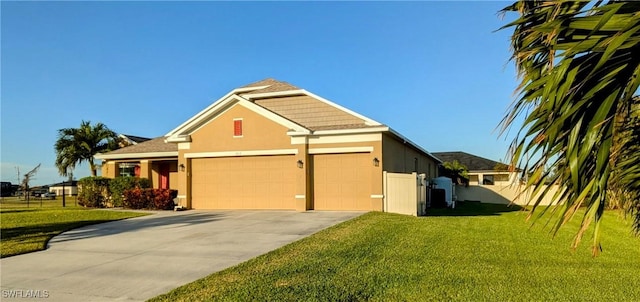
{"points": [[164, 176]]}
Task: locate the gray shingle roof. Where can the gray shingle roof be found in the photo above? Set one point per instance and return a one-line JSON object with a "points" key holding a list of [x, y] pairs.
{"points": [[153, 145], [311, 113], [274, 86], [472, 162]]}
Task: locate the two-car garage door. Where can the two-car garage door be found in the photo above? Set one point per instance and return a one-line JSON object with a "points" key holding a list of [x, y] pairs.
{"points": [[252, 182], [339, 182]]}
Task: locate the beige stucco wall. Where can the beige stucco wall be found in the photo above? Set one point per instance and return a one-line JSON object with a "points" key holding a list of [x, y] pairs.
{"points": [[110, 169], [154, 174], [399, 157], [502, 194], [258, 133], [500, 178]]}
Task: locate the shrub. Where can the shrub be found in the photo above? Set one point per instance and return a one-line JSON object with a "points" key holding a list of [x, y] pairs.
{"points": [[160, 199], [133, 199], [93, 191], [120, 184], [163, 198]]}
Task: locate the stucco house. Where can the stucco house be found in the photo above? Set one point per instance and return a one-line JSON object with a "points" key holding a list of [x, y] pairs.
{"points": [[69, 188], [271, 145]]}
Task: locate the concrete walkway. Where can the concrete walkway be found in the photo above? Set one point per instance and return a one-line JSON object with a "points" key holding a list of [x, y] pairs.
{"points": [[140, 258]]}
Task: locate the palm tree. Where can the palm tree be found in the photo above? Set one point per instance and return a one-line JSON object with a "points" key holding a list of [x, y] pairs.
{"points": [[457, 172], [579, 66], [77, 145]]}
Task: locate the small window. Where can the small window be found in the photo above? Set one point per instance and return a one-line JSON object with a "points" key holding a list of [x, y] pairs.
{"points": [[237, 127], [129, 169], [487, 180]]}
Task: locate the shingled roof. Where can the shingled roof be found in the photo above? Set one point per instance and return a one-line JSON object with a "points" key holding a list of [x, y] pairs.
{"points": [[153, 145], [472, 162], [311, 113], [274, 86]]}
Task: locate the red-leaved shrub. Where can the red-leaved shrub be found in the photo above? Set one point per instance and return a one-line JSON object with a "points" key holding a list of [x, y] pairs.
{"points": [[153, 199], [163, 198]]}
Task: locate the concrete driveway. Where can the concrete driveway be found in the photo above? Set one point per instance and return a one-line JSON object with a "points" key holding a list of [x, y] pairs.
{"points": [[140, 258]]}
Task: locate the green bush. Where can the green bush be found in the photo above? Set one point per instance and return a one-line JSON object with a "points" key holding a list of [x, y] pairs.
{"points": [[93, 191], [120, 184]]}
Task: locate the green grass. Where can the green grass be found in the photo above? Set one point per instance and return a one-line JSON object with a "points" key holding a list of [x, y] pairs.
{"points": [[476, 252], [28, 229]]}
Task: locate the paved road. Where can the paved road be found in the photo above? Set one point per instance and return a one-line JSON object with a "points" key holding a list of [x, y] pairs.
{"points": [[140, 258]]}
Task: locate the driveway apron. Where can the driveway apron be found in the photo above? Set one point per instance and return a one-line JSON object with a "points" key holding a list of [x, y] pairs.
{"points": [[140, 258]]}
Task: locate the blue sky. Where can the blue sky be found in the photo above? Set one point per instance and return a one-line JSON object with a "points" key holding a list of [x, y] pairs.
{"points": [[437, 72]]}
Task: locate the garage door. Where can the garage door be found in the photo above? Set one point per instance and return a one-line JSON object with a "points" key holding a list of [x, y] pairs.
{"points": [[256, 182], [342, 181]]}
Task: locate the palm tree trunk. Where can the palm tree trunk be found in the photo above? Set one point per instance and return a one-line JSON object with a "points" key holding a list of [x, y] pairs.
{"points": [[92, 166]]}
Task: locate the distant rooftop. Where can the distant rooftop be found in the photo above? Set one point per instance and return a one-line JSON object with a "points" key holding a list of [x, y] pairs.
{"points": [[134, 139], [472, 162]]}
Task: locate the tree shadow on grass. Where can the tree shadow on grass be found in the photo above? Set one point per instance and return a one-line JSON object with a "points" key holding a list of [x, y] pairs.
{"points": [[471, 208]]}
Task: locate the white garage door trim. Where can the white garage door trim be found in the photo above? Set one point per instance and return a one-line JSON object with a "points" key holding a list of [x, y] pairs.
{"points": [[340, 150]]}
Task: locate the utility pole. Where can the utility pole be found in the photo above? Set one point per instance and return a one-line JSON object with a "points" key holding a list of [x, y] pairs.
{"points": [[19, 183]]}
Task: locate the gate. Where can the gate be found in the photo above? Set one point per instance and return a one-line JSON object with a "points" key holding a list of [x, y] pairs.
{"points": [[404, 193]]}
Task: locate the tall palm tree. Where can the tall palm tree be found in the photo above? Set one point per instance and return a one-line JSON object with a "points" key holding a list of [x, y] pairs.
{"points": [[579, 66], [77, 145]]}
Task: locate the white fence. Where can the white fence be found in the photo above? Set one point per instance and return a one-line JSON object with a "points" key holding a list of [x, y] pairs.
{"points": [[404, 193]]}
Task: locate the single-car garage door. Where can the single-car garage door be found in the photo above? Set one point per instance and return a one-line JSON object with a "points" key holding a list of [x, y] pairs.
{"points": [[254, 182], [342, 181]]}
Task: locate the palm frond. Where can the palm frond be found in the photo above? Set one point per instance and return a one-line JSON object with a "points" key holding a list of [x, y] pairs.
{"points": [[578, 63]]}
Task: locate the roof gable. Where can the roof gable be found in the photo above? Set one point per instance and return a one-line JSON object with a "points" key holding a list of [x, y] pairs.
{"points": [[283, 103]]}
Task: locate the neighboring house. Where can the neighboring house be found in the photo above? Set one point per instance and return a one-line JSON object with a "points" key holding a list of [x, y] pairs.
{"points": [[70, 188], [271, 145], [491, 182], [482, 171], [128, 140]]}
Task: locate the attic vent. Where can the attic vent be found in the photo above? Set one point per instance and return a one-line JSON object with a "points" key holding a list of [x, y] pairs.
{"points": [[237, 127]]}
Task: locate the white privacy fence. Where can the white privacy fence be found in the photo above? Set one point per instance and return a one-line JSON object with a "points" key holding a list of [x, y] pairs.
{"points": [[405, 193]]}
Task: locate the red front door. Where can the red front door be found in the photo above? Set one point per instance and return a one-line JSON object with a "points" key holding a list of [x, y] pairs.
{"points": [[164, 176]]}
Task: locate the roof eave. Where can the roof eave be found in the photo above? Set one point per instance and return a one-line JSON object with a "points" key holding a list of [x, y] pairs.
{"points": [[136, 155]]}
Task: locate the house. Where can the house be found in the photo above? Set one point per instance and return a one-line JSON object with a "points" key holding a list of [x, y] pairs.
{"points": [[492, 182], [127, 140], [70, 188], [271, 145], [482, 171]]}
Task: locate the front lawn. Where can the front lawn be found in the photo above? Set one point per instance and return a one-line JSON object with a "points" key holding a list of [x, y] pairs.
{"points": [[25, 230], [477, 252]]}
